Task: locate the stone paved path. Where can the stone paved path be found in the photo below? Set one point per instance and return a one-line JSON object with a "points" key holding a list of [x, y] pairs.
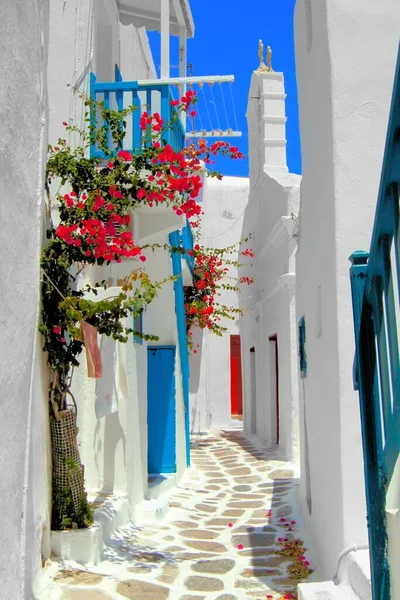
{"points": [[217, 542]]}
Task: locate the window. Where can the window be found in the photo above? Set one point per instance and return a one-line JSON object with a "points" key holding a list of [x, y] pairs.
{"points": [[302, 348], [138, 327]]}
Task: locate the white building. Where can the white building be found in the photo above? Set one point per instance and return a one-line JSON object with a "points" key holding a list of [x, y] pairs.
{"points": [[118, 449], [215, 368], [268, 330], [24, 435], [345, 59]]}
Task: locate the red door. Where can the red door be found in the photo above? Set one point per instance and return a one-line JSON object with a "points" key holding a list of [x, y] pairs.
{"points": [[236, 377]]}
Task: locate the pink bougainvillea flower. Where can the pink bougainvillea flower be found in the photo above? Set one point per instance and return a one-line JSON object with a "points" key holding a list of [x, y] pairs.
{"points": [[57, 330], [174, 102], [293, 522], [63, 340], [193, 113], [230, 524], [110, 165], [141, 193], [306, 563], [240, 547], [65, 124], [142, 258], [282, 520]]}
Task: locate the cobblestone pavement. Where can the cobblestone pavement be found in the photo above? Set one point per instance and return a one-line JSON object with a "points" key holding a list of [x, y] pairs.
{"points": [[217, 542]]}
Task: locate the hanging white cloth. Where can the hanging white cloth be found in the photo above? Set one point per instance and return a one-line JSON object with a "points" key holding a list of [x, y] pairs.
{"points": [[112, 387]]}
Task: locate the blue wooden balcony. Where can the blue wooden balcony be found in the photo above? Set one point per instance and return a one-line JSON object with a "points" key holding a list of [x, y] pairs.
{"points": [[117, 95]]}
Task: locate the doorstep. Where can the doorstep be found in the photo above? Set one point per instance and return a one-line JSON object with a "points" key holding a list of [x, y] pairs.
{"points": [[85, 546]]}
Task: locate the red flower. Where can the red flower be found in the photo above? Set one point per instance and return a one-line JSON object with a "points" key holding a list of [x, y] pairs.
{"points": [[65, 124], [125, 155], [141, 193], [57, 330], [240, 547], [63, 340], [193, 113], [174, 102]]}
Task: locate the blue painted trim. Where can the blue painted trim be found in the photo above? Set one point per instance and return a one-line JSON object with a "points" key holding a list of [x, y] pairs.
{"points": [[187, 243], [174, 240]]}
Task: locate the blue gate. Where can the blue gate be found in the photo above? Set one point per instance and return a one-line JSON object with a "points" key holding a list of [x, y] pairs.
{"points": [[161, 414], [375, 286]]}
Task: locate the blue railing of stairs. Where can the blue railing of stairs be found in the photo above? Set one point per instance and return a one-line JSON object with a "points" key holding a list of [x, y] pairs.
{"points": [[375, 282]]}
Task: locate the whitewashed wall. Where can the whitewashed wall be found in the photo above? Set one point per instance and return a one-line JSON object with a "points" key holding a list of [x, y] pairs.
{"points": [[269, 304], [210, 399], [24, 440], [345, 58]]}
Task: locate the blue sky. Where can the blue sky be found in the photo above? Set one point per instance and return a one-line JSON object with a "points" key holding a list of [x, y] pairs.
{"points": [[226, 42]]}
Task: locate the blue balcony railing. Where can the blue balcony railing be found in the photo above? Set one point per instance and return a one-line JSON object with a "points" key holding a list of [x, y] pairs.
{"points": [[117, 95], [187, 244], [375, 281]]}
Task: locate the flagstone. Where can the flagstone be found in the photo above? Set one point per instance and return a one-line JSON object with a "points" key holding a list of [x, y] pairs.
{"points": [[198, 534], [184, 524], [218, 566], [281, 474], [169, 574], [239, 471], [74, 594], [248, 479], [233, 512], [244, 504], [77, 577], [134, 589], [207, 546], [206, 508], [204, 584]]}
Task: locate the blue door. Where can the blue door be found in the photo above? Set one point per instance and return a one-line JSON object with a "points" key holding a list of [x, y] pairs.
{"points": [[161, 418]]}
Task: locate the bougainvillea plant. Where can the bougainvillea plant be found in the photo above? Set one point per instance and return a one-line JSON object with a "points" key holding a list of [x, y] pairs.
{"points": [[94, 202], [211, 276]]}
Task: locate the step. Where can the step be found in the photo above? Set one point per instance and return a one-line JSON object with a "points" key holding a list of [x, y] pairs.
{"points": [[160, 484], [325, 590], [85, 546]]}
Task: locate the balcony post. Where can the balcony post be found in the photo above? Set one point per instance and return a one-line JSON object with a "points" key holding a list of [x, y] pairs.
{"points": [[165, 40], [182, 63]]}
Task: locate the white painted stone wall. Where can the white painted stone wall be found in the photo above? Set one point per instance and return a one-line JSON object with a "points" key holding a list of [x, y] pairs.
{"points": [[345, 58], [24, 440], [269, 304], [210, 399]]}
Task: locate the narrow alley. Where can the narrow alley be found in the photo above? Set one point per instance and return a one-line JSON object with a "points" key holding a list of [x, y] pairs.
{"points": [[220, 539]]}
